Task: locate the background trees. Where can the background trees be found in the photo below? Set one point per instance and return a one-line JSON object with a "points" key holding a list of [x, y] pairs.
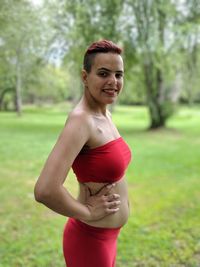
{"points": [[41, 48], [19, 39]]}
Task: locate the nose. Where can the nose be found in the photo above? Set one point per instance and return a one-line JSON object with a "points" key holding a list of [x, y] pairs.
{"points": [[112, 80]]}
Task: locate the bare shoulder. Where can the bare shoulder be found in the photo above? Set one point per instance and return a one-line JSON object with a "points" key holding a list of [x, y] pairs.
{"points": [[77, 129], [79, 115], [72, 138], [79, 120]]}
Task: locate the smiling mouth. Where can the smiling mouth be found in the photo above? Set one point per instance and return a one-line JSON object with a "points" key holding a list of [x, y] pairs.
{"points": [[110, 91]]}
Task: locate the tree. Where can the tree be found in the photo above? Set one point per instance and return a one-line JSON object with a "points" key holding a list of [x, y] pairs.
{"points": [[160, 40], [151, 22], [23, 42], [190, 31]]}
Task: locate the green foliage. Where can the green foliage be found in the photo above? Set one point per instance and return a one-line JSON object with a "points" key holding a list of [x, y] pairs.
{"points": [[23, 42], [160, 40], [133, 92], [50, 86], [163, 184]]}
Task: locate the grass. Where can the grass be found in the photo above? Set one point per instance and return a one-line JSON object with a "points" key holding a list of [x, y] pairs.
{"points": [[163, 180]]}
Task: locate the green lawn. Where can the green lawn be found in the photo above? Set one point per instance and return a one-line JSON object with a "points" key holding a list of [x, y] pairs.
{"points": [[163, 180]]}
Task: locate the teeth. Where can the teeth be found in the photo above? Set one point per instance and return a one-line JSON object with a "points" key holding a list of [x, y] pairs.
{"points": [[110, 91]]}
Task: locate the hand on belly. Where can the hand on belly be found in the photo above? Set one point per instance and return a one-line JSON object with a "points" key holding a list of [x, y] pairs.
{"points": [[101, 203]]}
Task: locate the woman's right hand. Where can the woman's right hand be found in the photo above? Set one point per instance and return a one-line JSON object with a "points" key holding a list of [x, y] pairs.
{"points": [[102, 204]]}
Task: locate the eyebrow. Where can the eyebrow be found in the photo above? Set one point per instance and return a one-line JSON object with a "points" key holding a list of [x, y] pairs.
{"points": [[118, 71]]}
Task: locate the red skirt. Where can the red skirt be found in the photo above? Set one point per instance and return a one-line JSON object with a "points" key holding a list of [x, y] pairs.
{"points": [[89, 246]]}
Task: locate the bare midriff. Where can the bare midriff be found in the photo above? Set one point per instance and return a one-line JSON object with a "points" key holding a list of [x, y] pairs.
{"points": [[116, 219]]}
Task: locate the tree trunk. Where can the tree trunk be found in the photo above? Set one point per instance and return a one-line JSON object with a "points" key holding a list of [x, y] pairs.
{"points": [[3, 93], [18, 100], [156, 116], [154, 100]]}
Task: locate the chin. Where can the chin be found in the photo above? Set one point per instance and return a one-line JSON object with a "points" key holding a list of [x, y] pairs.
{"points": [[111, 101]]}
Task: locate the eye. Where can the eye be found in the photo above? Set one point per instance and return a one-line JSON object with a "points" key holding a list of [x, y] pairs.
{"points": [[119, 75], [103, 74]]}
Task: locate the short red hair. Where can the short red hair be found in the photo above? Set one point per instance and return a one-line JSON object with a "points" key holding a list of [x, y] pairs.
{"points": [[103, 46]]}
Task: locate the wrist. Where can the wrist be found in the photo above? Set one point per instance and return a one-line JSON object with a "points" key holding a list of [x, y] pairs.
{"points": [[84, 213]]}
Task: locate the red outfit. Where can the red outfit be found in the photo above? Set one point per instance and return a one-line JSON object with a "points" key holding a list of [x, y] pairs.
{"points": [[89, 246], [103, 164], [85, 245]]}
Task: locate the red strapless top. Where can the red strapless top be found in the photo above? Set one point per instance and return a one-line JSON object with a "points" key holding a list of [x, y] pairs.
{"points": [[102, 164]]}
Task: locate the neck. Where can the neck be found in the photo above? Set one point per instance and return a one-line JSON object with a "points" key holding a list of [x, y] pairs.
{"points": [[95, 107]]}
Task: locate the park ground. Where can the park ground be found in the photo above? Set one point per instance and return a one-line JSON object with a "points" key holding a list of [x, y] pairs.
{"points": [[163, 181]]}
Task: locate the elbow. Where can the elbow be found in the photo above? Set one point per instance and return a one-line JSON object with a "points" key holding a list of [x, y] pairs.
{"points": [[40, 194], [37, 195]]}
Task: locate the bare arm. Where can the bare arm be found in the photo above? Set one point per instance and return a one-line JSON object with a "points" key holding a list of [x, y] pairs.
{"points": [[49, 188]]}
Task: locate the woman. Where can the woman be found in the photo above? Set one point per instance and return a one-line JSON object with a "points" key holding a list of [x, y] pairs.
{"points": [[91, 144]]}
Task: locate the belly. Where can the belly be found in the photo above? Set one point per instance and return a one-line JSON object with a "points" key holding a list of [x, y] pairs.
{"points": [[117, 219]]}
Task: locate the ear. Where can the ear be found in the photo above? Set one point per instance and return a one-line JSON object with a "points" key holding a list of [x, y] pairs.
{"points": [[84, 76]]}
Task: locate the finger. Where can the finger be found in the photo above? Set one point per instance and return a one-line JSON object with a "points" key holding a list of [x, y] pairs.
{"points": [[114, 204], [113, 210], [113, 197], [106, 189]]}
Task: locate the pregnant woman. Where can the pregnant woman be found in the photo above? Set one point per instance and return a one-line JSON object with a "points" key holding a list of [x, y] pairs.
{"points": [[91, 144]]}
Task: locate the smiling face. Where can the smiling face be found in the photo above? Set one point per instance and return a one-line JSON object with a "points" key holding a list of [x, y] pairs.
{"points": [[105, 80]]}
